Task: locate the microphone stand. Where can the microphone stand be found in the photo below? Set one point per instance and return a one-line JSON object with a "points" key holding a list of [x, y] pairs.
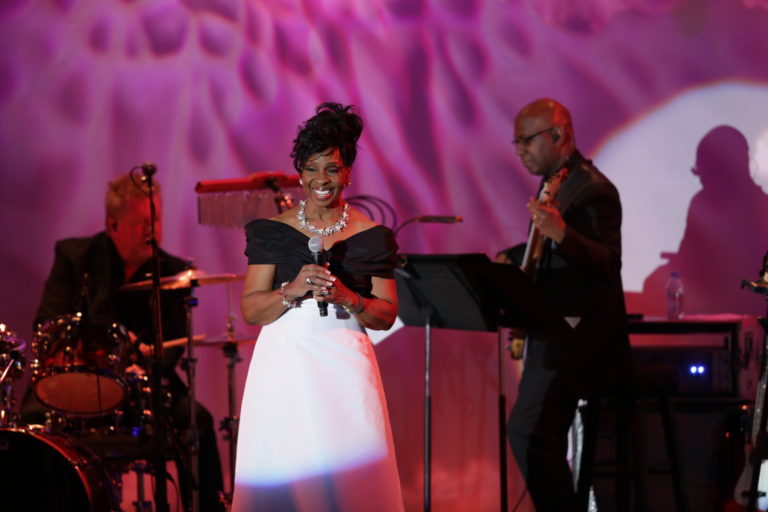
{"points": [[433, 219], [158, 403]]}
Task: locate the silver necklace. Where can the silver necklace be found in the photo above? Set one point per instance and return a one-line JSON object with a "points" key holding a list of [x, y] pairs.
{"points": [[340, 224]]}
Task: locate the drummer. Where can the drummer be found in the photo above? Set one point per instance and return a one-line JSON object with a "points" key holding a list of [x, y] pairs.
{"points": [[86, 276]]}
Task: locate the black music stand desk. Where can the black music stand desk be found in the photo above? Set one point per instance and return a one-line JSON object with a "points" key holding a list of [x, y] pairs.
{"points": [[469, 292]]}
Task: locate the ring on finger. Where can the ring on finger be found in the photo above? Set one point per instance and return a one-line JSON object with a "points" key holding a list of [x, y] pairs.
{"points": [[324, 293], [309, 281]]}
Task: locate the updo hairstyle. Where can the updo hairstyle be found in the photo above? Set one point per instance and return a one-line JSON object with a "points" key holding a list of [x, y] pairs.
{"points": [[332, 126]]}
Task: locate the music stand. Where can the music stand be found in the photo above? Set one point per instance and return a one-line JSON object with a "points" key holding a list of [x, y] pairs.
{"points": [[469, 292]]}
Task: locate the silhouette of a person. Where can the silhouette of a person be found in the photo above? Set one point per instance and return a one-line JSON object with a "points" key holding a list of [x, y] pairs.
{"points": [[724, 237]]}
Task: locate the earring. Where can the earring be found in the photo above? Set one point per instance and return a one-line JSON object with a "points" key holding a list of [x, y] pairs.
{"points": [[301, 182]]}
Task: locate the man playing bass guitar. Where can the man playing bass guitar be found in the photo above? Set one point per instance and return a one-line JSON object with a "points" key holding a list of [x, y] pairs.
{"points": [[578, 270]]}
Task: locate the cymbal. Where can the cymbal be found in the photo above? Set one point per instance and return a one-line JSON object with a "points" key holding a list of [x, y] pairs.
{"points": [[185, 279]]}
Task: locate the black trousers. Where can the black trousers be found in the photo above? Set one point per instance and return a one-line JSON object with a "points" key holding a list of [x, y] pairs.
{"points": [[538, 433]]}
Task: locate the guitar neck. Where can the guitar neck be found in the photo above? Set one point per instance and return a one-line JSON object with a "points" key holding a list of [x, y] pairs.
{"points": [[534, 240]]}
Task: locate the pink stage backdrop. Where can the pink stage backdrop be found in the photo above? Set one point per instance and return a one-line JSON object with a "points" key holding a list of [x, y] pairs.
{"points": [[211, 89]]}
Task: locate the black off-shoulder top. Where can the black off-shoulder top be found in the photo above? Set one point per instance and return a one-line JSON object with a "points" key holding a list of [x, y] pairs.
{"points": [[355, 260]]}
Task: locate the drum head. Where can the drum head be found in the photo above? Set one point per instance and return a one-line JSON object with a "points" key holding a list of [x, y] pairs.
{"points": [[81, 391], [51, 473]]}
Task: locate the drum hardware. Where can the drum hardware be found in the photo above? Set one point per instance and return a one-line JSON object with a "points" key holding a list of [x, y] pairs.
{"points": [[78, 373], [55, 472], [140, 505], [78, 364], [229, 425], [123, 435], [192, 279], [188, 363], [12, 364]]}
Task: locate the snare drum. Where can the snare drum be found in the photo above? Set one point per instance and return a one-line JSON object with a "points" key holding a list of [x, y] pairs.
{"points": [[53, 473], [78, 364]]}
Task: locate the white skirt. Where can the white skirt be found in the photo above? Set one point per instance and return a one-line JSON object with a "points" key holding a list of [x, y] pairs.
{"points": [[314, 431]]}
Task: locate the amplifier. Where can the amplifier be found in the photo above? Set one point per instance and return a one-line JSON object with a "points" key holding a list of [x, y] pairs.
{"points": [[717, 355]]}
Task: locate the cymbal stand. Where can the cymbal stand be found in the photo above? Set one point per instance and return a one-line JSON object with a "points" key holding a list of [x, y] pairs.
{"points": [[189, 362], [14, 366], [229, 425]]}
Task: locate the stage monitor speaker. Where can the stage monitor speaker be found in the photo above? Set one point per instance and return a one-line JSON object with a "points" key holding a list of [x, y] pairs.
{"points": [[711, 443], [717, 355]]}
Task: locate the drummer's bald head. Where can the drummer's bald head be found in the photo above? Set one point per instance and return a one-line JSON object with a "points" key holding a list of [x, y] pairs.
{"points": [[121, 190]]}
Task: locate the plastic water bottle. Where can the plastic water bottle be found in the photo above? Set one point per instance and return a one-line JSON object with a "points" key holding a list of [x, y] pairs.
{"points": [[675, 295]]}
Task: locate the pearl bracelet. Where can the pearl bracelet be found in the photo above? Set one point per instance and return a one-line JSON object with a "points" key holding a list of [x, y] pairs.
{"points": [[290, 304], [360, 305]]}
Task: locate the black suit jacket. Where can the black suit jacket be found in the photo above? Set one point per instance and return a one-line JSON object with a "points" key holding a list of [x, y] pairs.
{"points": [[97, 257], [582, 277]]}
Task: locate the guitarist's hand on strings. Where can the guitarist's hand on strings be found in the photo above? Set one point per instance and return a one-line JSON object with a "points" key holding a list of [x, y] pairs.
{"points": [[547, 219]]}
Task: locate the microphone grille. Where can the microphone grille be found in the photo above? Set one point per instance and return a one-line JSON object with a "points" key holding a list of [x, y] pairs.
{"points": [[315, 244]]}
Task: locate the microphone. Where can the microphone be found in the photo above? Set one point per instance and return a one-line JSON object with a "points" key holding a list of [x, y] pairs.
{"points": [[315, 245], [442, 219], [148, 168], [439, 219]]}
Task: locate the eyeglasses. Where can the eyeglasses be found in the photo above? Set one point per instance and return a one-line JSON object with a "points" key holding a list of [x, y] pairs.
{"points": [[525, 141]]}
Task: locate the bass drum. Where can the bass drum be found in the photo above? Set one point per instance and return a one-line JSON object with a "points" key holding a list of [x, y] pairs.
{"points": [[42, 472]]}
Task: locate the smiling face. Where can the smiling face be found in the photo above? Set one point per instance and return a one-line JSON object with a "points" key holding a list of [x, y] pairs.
{"points": [[325, 176]]}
